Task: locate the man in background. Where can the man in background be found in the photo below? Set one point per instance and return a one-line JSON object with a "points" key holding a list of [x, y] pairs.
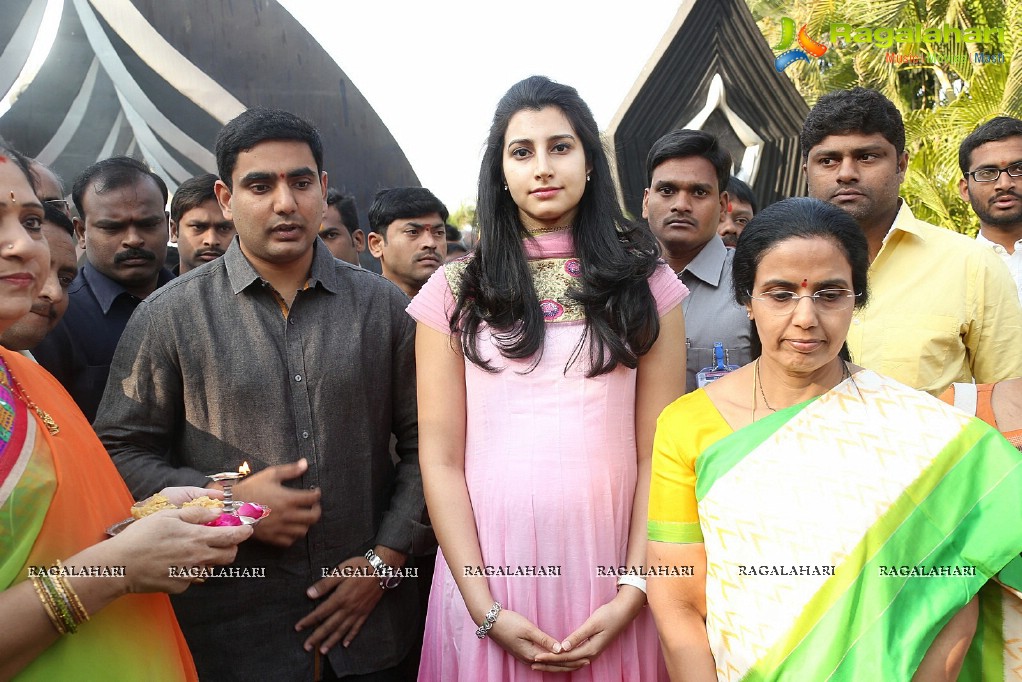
{"points": [[942, 308], [991, 163], [687, 172], [408, 235], [340, 231], [197, 225], [741, 206], [123, 229]]}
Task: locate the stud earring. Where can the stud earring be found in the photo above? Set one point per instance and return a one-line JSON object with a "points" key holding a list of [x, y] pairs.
{"points": [[505, 187], [587, 177]]}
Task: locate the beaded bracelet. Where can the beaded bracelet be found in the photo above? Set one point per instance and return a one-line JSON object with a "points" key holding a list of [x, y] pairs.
{"points": [[490, 619]]}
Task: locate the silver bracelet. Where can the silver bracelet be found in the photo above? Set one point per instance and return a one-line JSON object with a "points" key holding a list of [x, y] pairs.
{"points": [[491, 618], [633, 580]]}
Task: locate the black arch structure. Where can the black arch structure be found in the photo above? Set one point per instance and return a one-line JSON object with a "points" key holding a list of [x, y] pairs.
{"points": [[711, 38], [156, 80]]}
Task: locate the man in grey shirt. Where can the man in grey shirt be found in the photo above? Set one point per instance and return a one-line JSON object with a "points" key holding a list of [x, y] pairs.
{"points": [[688, 172], [279, 355]]}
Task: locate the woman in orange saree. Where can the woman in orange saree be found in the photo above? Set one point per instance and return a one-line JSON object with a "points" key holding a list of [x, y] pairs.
{"points": [[59, 491]]}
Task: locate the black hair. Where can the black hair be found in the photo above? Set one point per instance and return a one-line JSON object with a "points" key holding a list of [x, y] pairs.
{"points": [[346, 208], [736, 189], [455, 248], [402, 202], [453, 233], [798, 218], [859, 110], [34, 166], [21, 161], [993, 130], [191, 194], [113, 173], [259, 124], [683, 143], [52, 214], [621, 319]]}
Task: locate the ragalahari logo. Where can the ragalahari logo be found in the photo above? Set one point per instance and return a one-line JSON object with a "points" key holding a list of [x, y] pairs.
{"points": [[808, 45]]}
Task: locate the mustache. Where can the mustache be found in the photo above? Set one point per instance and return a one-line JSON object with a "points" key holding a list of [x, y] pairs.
{"points": [[44, 309], [431, 253], [1006, 193], [206, 252], [130, 254]]}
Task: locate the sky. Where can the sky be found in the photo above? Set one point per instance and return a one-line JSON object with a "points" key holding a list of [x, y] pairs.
{"points": [[434, 71]]}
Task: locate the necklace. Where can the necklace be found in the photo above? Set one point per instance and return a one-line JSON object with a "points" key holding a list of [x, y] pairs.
{"points": [[758, 381], [546, 230], [20, 393]]}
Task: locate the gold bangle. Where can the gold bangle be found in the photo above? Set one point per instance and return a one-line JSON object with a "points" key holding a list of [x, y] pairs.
{"points": [[78, 609], [58, 625], [60, 603]]}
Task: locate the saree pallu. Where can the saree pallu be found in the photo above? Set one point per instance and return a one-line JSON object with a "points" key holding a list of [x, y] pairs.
{"points": [[996, 651], [843, 533], [58, 494]]}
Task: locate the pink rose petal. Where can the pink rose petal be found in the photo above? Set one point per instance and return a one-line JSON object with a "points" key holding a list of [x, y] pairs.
{"points": [[225, 520], [253, 511]]}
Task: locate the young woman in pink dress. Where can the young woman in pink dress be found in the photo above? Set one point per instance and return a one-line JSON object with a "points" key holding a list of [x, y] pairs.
{"points": [[543, 362]]}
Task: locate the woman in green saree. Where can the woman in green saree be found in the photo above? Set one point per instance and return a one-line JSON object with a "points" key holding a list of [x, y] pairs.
{"points": [[833, 524]]}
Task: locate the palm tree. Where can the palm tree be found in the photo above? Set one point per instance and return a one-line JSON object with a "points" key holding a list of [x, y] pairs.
{"points": [[941, 102]]}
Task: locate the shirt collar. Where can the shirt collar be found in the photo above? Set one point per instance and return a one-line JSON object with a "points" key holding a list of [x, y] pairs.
{"points": [[241, 273], [709, 262], [994, 245], [107, 291], [906, 222]]}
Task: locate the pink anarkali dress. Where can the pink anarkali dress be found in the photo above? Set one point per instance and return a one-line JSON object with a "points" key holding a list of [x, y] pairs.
{"points": [[550, 463]]}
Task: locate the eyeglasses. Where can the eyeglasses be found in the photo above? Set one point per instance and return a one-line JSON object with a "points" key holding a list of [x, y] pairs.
{"points": [[992, 174], [59, 204], [825, 300]]}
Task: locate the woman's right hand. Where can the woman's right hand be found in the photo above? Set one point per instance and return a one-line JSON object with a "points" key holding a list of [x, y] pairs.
{"points": [[517, 635], [151, 546]]}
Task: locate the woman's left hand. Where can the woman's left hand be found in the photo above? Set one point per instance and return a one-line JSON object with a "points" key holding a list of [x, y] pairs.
{"points": [[596, 634]]}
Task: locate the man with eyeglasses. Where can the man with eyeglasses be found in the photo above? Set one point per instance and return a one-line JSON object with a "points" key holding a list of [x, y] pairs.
{"points": [[991, 163], [942, 308]]}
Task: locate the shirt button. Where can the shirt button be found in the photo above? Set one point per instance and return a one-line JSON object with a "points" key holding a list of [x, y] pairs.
{"points": [[290, 320], [856, 322], [298, 377], [305, 434]]}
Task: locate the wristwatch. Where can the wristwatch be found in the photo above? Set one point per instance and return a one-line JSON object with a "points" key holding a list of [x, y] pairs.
{"points": [[389, 578]]}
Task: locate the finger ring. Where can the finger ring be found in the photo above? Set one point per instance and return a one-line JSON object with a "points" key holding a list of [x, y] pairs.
{"points": [[201, 579]]}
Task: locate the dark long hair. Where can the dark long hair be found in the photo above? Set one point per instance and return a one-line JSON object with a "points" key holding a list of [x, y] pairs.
{"points": [[621, 320]]}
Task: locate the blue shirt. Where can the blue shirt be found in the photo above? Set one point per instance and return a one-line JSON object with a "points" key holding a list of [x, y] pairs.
{"points": [[79, 349]]}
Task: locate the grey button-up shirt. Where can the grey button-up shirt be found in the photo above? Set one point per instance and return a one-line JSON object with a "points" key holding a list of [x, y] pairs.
{"points": [[209, 373], [711, 313]]}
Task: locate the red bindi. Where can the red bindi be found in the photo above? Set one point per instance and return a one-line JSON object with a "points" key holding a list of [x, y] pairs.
{"points": [[805, 283], [3, 159]]}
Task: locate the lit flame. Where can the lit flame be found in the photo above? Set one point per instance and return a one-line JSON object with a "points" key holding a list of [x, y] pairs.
{"points": [[243, 469]]}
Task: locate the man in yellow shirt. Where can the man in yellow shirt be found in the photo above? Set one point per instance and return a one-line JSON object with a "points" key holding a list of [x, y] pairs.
{"points": [[942, 308]]}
